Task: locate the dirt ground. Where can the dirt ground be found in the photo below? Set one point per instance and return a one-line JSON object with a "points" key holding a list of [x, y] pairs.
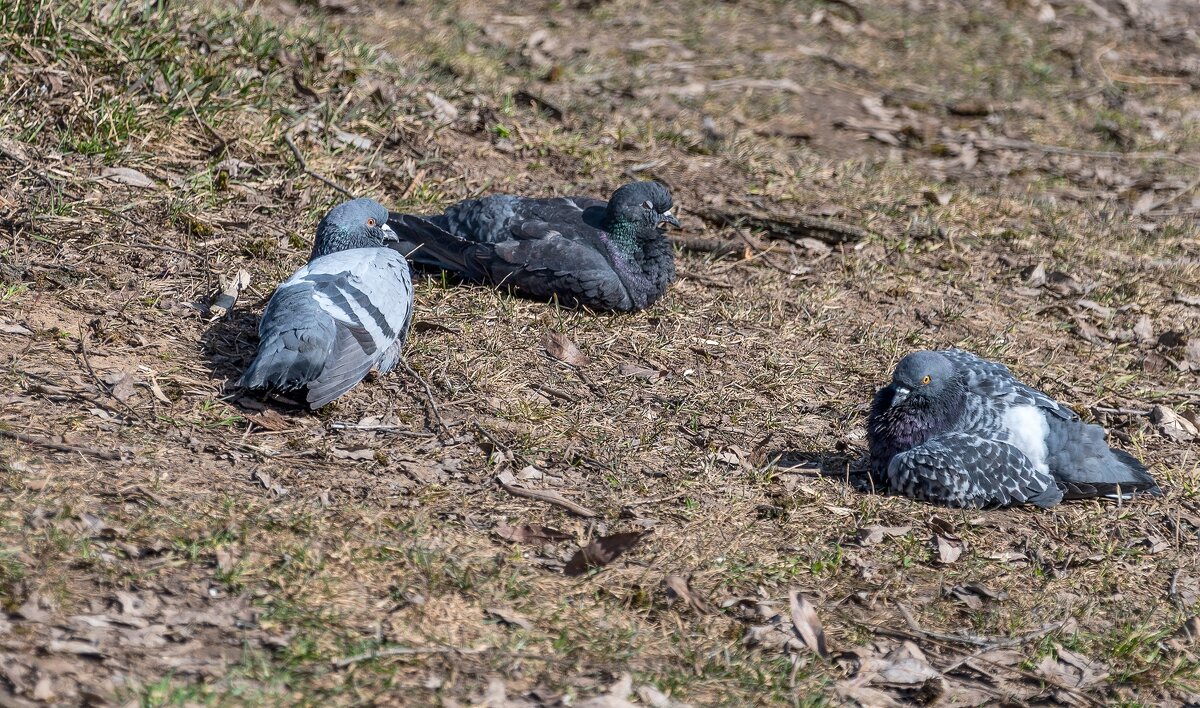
{"points": [[855, 180]]}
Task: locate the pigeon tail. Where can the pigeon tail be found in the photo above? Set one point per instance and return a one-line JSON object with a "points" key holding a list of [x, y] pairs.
{"points": [[1085, 467], [424, 241], [294, 344]]}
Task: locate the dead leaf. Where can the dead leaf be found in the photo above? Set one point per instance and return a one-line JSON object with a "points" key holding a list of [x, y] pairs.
{"points": [[443, 110], [362, 453], [1189, 631], [905, 665], [226, 560], [269, 420], [33, 610], [854, 693], [352, 139], [264, 479], [939, 198], [531, 533], [948, 551], [122, 385], [602, 551], [157, 391], [127, 176], [1103, 311], [679, 586], [639, 371], [1144, 329], [510, 617], [1062, 284], [14, 329], [871, 535], [561, 348], [231, 288], [1071, 669], [1172, 425], [973, 596], [1034, 276], [808, 625]]}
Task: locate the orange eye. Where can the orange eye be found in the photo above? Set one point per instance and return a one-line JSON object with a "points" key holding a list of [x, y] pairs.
{"points": [[370, 222], [925, 380]]}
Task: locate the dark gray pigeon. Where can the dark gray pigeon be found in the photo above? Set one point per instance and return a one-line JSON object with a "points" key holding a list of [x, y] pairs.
{"points": [[962, 431], [579, 251], [343, 314]]}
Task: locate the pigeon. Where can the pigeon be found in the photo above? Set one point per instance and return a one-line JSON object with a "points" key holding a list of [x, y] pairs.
{"points": [[961, 431], [346, 312], [606, 256]]}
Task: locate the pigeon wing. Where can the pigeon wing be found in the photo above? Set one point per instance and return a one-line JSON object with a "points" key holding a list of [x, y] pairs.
{"points": [[963, 470], [994, 380], [367, 293]]}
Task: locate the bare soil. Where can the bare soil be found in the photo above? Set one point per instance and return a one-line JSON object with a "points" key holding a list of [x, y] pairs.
{"points": [[1017, 178]]}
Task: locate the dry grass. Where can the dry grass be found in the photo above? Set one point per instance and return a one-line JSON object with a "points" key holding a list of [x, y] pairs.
{"points": [[235, 554]]}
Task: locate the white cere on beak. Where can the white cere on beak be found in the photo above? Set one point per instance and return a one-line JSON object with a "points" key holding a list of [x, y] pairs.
{"points": [[389, 235]]}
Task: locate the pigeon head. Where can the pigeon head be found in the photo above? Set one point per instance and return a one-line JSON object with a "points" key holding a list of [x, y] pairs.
{"points": [[359, 223], [640, 205], [923, 378]]}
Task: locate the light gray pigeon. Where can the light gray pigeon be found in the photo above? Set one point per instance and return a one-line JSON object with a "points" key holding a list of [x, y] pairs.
{"points": [[343, 314], [962, 431]]}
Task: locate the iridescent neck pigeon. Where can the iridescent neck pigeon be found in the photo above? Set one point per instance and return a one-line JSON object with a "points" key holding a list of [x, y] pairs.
{"points": [[576, 251], [343, 314], [962, 431]]}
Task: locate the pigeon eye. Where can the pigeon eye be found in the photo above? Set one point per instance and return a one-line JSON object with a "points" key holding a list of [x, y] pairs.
{"points": [[370, 222], [925, 381], [647, 204]]}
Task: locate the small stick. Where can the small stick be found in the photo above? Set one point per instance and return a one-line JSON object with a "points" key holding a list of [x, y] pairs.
{"points": [[287, 138], [87, 363], [339, 425], [1119, 411], [33, 440], [23, 163], [553, 498], [716, 247], [437, 414], [551, 391], [404, 651], [1013, 144]]}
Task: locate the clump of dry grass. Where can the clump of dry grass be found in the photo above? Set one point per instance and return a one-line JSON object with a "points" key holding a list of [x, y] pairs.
{"points": [[236, 553]]}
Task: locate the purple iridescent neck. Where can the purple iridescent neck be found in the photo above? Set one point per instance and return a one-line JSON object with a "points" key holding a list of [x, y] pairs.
{"points": [[892, 430]]}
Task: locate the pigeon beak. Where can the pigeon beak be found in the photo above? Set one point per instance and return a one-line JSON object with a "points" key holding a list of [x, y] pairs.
{"points": [[668, 218], [899, 395], [388, 234]]}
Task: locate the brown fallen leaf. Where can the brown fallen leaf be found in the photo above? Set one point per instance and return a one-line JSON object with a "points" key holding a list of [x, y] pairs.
{"points": [[122, 385], [1172, 425], [510, 617], [905, 665], [531, 533], [127, 176], [680, 587], [808, 625], [639, 371], [364, 453], [854, 693], [602, 551], [871, 535], [948, 551], [1144, 329], [269, 420], [561, 348], [231, 288]]}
